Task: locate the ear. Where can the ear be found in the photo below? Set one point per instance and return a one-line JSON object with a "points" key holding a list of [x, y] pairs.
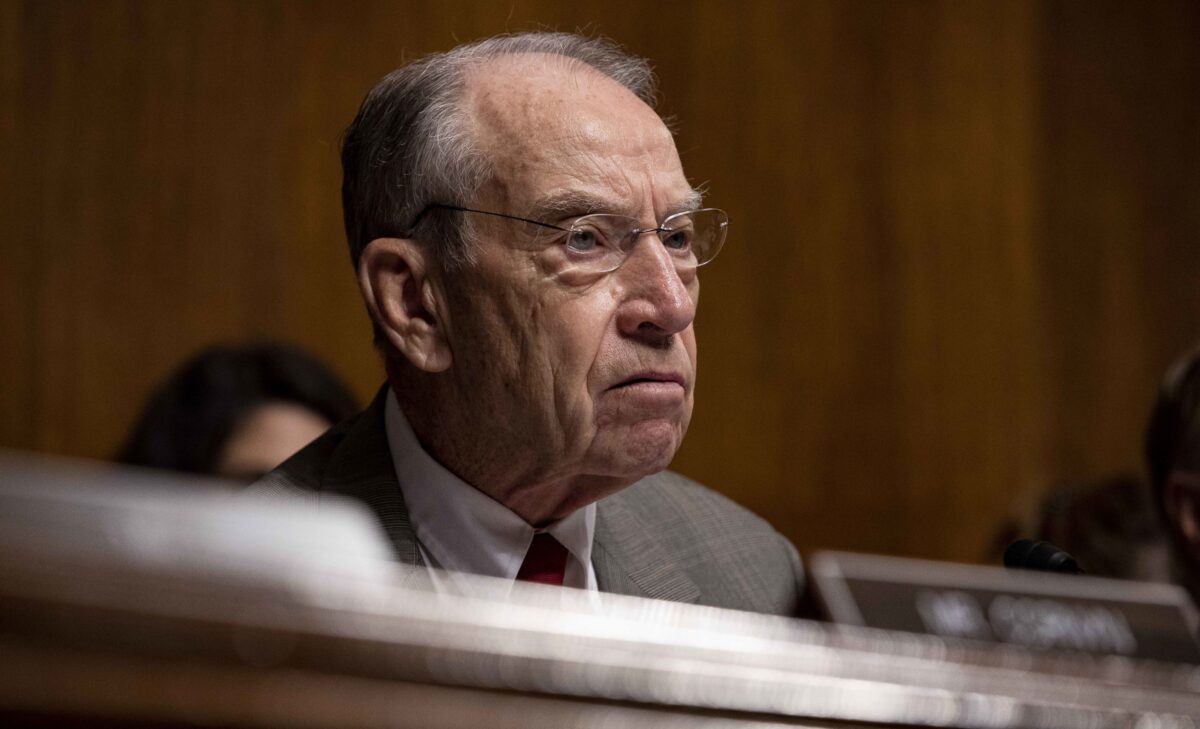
{"points": [[396, 282], [1182, 504]]}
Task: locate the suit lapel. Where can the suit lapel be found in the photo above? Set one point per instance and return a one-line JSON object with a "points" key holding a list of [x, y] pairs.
{"points": [[361, 468], [628, 559]]}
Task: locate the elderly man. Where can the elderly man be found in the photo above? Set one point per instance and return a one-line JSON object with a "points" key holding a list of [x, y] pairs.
{"points": [[527, 246]]}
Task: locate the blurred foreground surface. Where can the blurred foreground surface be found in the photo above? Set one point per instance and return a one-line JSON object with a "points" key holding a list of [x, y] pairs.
{"points": [[124, 601]]}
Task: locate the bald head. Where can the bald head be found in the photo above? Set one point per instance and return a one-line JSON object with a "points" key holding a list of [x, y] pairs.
{"points": [[563, 139], [564, 96], [410, 145]]}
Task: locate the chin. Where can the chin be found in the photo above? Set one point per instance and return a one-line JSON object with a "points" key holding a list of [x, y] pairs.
{"points": [[644, 449]]}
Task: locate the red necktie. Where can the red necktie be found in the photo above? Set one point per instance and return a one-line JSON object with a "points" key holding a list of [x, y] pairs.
{"points": [[545, 562]]}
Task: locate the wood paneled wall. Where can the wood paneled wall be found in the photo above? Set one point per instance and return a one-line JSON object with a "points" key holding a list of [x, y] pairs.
{"points": [[965, 233]]}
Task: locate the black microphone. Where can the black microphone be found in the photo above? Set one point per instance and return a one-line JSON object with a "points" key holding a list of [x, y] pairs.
{"points": [[1031, 554]]}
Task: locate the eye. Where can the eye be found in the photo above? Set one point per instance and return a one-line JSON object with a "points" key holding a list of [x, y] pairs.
{"points": [[585, 238], [678, 240], [581, 240]]}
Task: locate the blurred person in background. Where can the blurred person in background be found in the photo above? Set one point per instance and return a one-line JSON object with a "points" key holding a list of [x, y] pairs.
{"points": [[1173, 460], [236, 412], [1111, 527]]}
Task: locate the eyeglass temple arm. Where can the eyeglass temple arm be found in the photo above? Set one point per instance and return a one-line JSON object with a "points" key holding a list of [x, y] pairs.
{"points": [[440, 206]]}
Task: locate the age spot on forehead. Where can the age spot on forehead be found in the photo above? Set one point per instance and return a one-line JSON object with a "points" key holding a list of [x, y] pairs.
{"points": [[554, 97]]}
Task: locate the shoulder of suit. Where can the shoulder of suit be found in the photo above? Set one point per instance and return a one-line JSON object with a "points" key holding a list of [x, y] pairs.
{"points": [[671, 495], [741, 561], [694, 517]]}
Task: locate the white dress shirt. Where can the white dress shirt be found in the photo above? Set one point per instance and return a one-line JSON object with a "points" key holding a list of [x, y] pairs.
{"points": [[461, 529]]}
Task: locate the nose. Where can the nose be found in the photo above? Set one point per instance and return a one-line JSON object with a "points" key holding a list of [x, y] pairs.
{"points": [[658, 301]]}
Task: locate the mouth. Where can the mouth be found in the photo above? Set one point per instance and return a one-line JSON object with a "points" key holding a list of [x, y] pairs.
{"points": [[651, 378]]}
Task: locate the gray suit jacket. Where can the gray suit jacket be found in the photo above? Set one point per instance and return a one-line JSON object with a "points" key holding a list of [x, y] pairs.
{"points": [[663, 537]]}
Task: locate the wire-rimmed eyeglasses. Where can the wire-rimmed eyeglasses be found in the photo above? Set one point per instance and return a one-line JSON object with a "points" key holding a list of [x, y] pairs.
{"points": [[600, 242]]}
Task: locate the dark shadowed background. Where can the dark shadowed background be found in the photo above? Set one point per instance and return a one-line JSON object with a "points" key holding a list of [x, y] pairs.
{"points": [[964, 242]]}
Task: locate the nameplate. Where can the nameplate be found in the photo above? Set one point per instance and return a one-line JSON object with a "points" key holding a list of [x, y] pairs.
{"points": [[1020, 607]]}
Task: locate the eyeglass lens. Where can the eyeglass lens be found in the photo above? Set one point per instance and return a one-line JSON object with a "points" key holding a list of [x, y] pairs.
{"points": [[602, 241]]}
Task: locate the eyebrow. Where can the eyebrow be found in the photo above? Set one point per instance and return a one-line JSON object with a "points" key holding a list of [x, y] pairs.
{"points": [[569, 203], [693, 201]]}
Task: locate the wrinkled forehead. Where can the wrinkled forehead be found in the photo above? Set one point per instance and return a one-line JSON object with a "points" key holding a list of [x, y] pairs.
{"points": [[548, 121]]}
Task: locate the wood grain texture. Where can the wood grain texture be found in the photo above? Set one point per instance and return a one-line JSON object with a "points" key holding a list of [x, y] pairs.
{"points": [[963, 248]]}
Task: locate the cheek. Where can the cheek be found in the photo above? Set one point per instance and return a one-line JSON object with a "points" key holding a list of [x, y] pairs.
{"points": [[585, 330], [688, 336], [543, 350], [494, 326]]}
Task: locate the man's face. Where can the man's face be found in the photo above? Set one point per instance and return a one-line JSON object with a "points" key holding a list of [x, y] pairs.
{"points": [[581, 378]]}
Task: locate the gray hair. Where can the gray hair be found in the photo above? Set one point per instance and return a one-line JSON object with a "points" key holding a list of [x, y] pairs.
{"points": [[411, 144]]}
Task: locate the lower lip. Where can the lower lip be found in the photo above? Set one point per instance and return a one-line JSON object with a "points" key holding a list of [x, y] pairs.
{"points": [[652, 391]]}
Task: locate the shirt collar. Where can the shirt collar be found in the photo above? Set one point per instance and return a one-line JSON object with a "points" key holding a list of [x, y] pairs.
{"points": [[461, 529]]}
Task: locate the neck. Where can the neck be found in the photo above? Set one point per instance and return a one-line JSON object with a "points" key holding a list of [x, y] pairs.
{"points": [[475, 446]]}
